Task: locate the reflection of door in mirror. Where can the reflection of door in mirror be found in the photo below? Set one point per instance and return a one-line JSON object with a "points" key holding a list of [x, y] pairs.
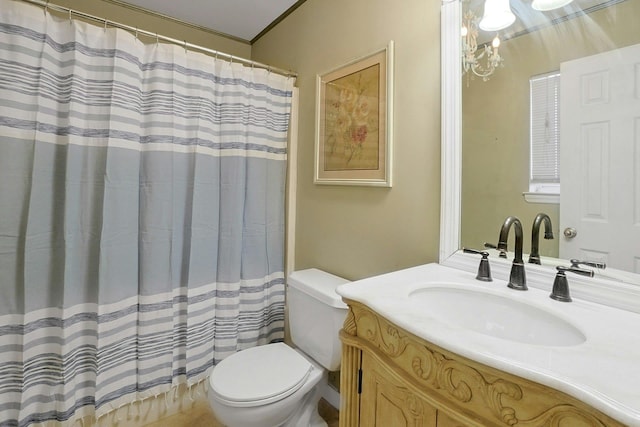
{"points": [[600, 133], [495, 118]]}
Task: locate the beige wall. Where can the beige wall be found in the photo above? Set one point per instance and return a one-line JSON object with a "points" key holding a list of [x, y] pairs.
{"points": [[156, 24], [358, 232], [495, 159]]}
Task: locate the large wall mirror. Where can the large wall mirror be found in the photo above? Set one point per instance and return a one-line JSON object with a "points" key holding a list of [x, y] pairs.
{"points": [[585, 57]]}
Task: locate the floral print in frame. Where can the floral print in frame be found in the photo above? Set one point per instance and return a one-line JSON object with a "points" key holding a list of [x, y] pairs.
{"points": [[353, 126]]}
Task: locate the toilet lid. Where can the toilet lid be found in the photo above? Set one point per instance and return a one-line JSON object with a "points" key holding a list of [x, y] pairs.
{"points": [[268, 372]]}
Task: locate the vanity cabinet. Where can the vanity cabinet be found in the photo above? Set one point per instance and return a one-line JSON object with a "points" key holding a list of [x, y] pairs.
{"points": [[387, 400], [392, 378]]}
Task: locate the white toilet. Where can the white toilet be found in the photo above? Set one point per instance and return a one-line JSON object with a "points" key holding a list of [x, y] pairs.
{"points": [[276, 385]]}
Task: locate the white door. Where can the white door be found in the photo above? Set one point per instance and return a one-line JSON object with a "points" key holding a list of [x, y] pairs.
{"points": [[600, 158]]}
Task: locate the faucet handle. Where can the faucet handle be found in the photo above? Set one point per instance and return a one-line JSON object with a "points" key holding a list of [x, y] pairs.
{"points": [[503, 252], [599, 265], [484, 270], [560, 291]]}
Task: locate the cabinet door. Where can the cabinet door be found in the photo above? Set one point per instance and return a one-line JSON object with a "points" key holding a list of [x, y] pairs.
{"points": [[386, 402]]}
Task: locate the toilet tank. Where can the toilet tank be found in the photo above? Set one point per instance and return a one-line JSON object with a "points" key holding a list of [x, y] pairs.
{"points": [[316, 315]]}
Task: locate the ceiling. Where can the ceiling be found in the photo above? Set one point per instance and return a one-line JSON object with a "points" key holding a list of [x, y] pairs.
{"points": [[528, 20], [246, 19], [241, 19]]}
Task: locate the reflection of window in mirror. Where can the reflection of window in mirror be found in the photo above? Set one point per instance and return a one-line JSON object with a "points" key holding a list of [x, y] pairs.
{"points": [[544, 170]]}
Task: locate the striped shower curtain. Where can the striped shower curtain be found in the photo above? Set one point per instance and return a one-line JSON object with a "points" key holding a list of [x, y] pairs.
{"points": [[141, 215]]}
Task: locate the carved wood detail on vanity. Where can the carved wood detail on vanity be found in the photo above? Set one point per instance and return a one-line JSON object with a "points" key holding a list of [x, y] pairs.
{"points": [[457, 391], [350, 326]]}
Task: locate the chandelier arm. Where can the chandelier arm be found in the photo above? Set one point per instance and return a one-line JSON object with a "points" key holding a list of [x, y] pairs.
{"points": [[482, 63]]}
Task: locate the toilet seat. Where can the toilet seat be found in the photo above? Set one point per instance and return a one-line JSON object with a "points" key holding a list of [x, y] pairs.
{"points": [[259, 375]]}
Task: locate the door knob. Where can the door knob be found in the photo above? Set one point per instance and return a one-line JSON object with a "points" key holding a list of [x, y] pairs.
{"points": [[570, 233]]}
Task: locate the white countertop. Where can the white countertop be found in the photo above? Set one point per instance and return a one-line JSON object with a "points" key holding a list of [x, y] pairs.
{"points": [[603, 372]]}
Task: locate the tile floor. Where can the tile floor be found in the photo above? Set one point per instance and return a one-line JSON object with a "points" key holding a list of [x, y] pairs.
{"points": [[328, 412], [200, 415]]}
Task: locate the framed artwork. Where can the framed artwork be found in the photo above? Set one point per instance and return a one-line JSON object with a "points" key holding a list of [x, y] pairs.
{"points": [[354, 111]]}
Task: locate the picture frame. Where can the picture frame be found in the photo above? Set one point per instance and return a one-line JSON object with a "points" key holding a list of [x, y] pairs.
{"points": [[354, 122]]}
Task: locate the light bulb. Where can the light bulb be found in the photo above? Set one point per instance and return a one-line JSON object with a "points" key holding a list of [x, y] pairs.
{"points": [[464, 31], [545, 5], [497, 15], [496, 42]]}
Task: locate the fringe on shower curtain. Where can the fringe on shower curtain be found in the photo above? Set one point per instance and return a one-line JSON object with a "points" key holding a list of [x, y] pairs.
{"points": [[141, 215]]}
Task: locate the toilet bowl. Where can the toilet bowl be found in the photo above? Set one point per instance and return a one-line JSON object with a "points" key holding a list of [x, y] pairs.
{"points": [[266, 400], [277, 385]]}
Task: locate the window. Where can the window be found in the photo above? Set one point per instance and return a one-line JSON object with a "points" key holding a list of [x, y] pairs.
{"points": [[544, 176]]}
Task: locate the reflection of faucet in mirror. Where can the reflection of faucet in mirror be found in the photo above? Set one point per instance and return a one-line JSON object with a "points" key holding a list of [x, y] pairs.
{"points": [[534, 256], [577, 263], [517, 279], [503, 252]]}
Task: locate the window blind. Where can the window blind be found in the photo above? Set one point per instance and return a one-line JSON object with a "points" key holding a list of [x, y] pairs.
{"points": [[545, 129]]}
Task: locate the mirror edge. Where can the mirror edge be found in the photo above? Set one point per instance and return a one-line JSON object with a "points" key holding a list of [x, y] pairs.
{"points": [[451, 144]]}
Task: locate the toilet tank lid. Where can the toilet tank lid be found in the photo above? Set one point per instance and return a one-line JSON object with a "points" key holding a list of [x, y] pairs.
{"points": [[319, 284]]}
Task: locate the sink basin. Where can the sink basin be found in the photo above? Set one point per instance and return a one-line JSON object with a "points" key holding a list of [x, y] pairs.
{"points": [[496, 316]]}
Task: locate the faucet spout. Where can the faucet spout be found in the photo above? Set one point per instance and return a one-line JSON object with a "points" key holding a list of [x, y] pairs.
{"points": [[517, 279], [534, 256], [504, 236]]}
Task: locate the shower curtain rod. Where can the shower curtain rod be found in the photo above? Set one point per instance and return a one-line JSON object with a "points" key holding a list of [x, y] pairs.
{"points": [[47, 5]]}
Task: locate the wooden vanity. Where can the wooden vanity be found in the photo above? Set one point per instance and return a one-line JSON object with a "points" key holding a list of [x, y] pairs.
{"points": [[390, 377]]}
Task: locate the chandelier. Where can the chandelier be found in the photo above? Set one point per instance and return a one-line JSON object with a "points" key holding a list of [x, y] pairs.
{"points": [[481, 64], [497, 16]]}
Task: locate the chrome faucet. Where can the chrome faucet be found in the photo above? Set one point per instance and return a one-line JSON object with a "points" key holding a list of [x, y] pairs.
{"points": [[534, 256], [517, 279]]}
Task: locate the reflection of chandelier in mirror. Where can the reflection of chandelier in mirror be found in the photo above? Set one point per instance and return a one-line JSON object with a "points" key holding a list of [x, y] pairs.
{"points": [[497, 16], [471, 61]]}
